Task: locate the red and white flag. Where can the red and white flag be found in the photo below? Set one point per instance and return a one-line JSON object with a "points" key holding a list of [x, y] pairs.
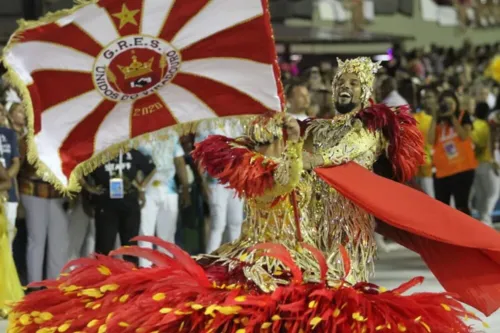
{"points": [[109, 71]]}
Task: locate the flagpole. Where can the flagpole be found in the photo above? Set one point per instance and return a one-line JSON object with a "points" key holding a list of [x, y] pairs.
{"points": [[293, 201]]}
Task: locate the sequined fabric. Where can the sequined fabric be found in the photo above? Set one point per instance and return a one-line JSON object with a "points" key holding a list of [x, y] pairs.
{"points": [[335, 220], [327, 219]]}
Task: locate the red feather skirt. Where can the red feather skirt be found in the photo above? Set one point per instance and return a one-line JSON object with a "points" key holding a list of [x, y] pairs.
{"points": [[178, 294]]}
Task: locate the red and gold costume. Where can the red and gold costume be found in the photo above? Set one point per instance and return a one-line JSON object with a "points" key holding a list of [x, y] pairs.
{"points": [[307, 248]]}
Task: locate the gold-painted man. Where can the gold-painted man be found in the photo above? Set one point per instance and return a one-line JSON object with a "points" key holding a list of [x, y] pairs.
{"points": [[328, 221]]}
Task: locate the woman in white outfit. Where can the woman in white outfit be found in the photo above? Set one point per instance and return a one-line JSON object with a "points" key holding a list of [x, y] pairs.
{"points": [[46, 223], [161, 210], [81, 227]]}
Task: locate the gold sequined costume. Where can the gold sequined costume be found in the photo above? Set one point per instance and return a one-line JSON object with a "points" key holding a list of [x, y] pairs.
{"points": [[327, 219]]}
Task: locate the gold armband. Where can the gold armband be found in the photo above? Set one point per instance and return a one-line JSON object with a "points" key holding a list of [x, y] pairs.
{"points": [[265, 129], [337, 155], [356, 143]]}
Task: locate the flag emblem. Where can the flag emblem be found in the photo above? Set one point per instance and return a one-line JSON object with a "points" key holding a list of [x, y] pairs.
{"points": [[134, 67]]}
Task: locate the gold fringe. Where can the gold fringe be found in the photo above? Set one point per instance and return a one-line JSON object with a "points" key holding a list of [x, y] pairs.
{"points": [[48, 18]]}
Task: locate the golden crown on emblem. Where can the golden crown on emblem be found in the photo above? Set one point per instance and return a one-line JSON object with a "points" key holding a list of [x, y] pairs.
{"points": [[136, 68]]}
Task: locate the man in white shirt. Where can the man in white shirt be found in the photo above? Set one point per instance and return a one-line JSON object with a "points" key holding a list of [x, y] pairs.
{"points": [[226, 209], [388, 93], [161, 210], [298, 100]]}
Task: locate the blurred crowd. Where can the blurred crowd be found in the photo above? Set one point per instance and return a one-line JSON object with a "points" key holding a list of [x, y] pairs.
{"points": [[484, 12], [157, 189], [456, 104]]}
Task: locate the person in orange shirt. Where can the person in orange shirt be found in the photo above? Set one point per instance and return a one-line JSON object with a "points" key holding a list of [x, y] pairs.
{"points": [[424, 119], [454, 158]]}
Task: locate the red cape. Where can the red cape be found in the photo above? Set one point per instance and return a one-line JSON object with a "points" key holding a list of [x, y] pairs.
{"points": [[463, 253]]}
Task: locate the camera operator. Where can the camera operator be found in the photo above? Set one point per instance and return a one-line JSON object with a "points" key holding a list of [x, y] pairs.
{"points": [[454, 158]]}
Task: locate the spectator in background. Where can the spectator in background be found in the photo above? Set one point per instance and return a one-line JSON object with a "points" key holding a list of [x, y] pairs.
{"points": [[226, 209], [3, 116], [193, 217], [313, 111], [298, 100], [315, 81], [17, 122], [461, 6], [10, 286], [320, 95], [17, 119], [46, 223], [468, 103], [494, 120], [408, 91], [437, 59], [357, 14], [114, 213], [427, 62], [388, 93], [424, 118], [486, 185], [481, 11], [327, 72], [454, 159], [416, 65], [159, 214], [9, 157], [484, 94], [81, 226]]}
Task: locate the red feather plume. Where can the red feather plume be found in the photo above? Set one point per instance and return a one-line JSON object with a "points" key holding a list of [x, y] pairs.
{"points": [[320, 258], [406, 143], [280, 252], [180, 256], [106, 294], [345, 260], [234, 165]]}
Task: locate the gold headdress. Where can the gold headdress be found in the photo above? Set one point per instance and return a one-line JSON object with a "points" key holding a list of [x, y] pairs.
{"points": [[364, 68]]}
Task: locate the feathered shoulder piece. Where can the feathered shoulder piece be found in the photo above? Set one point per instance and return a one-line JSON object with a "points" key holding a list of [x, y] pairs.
{"points": [[234, 164], [406, 143]]}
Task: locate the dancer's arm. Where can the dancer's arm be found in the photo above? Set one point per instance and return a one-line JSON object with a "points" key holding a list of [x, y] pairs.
{"points": [[242, 165]]}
